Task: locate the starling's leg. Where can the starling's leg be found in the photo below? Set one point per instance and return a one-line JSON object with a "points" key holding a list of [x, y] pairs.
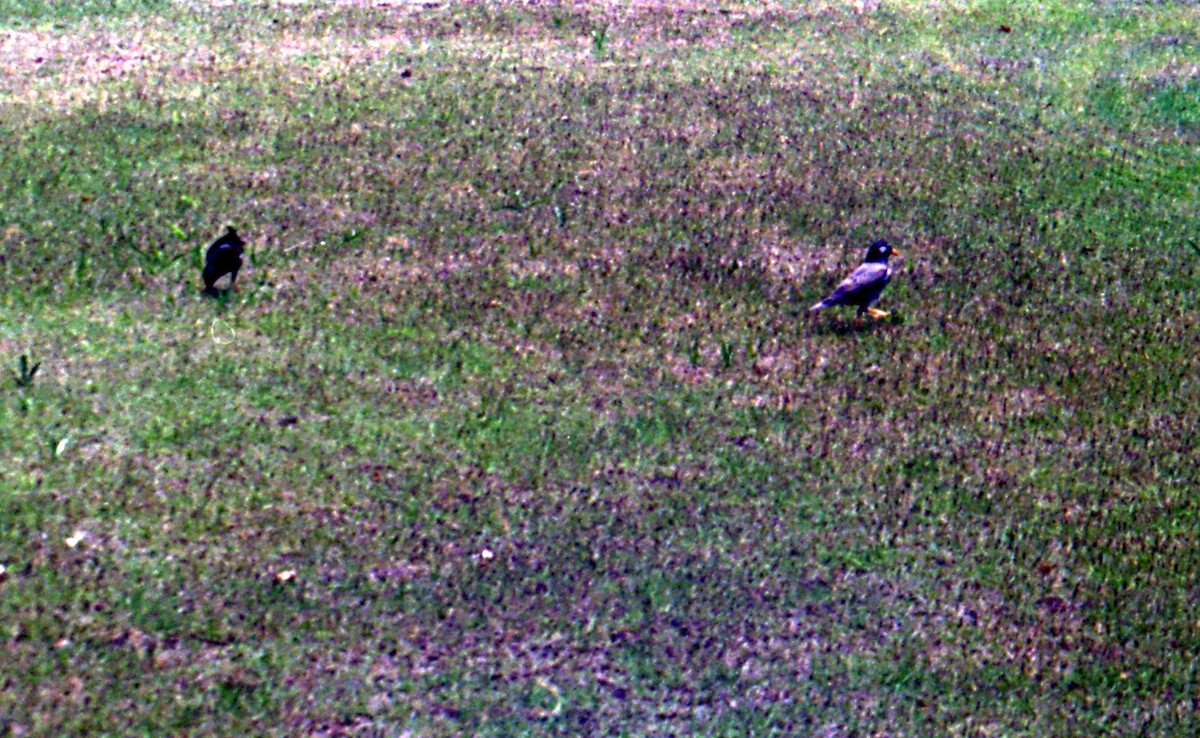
{"points": [[877, 313], [233, 277]]}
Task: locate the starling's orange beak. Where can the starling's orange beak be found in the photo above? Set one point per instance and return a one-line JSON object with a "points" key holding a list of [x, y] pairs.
{"points": [[896, 253]]}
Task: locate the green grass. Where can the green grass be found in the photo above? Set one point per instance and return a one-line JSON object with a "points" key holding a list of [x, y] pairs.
{"points": [[516, 423]]}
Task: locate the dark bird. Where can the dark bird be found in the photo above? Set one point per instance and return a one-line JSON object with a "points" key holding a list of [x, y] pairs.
{"points": [[866, 283], [223, 257]]}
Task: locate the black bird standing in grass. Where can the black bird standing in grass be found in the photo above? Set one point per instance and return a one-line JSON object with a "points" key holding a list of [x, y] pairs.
{"points": [[865, 284], [223, 257]]}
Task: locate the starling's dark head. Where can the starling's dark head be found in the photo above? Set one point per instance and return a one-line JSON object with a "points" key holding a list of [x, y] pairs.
{"points": [[880, 251], [232, 238]]}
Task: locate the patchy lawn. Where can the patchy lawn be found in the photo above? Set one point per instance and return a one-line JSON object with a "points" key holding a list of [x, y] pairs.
{"points": [[516, 422]]}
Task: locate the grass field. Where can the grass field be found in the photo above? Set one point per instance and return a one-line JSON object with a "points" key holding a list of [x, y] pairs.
{"points": [[516, 422]]}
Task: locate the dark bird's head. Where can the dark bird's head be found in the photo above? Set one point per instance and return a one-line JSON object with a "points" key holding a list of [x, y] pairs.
{"points": [[231, 237], [880, 252]]}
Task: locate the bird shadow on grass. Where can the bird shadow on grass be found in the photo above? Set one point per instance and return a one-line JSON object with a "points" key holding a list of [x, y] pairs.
{"points": [[221, 294], [831, 326]]}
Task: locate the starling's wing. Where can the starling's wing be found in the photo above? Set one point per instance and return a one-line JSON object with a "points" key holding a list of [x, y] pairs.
{"points": [[229, 241], [867, 279], [222, 258]]}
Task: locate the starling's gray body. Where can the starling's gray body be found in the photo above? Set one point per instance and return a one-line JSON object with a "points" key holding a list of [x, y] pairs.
{"points": [[223, 257], [865, 284]]}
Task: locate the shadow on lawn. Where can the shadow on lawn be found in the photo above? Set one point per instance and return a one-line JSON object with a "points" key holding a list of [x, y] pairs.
{"points": [[835, 326]]}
